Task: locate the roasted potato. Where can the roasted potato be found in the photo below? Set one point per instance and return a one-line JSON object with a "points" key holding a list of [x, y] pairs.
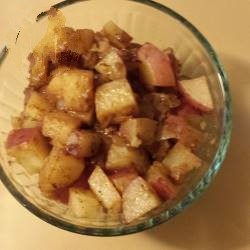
{"points": [[105, 191], [139, 131], [111, 67], [138, 199], [73, 91], [114, 102], [84, 204], [58, 126], [60, 170], [121, 156], [180, 161], [29, 147]]}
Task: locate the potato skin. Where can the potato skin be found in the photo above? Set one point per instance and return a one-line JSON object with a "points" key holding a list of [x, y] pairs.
{"points": [[59, 171]]}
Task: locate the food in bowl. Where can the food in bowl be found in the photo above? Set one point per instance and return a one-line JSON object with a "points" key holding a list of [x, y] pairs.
{"points": [[108, 124]]}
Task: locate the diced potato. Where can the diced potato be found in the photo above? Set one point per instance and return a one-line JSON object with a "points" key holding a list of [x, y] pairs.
{"points": [[157, 178], [105, 191], [73, 91], [177, 128], [118, 37], [84, 204], [60, 170], [111, 66], [114, 102], [180, 161], [29, 148], [83, 143], [155, 67], [35, 109], [138, 199], [58, 126], [123, 177], [139, 131], [121, 156]]}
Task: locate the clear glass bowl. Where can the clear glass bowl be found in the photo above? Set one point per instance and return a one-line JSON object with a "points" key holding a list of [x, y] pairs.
{"points": [[146, 21]]}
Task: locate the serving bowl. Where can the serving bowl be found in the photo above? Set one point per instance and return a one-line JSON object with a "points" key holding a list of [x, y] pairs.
{"points": [[146, 21]]}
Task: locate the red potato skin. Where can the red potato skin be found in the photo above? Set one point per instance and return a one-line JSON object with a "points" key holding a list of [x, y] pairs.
{"points": [[193, 102], [164, 188], [160, 65], [20, 136], [185, 111]]}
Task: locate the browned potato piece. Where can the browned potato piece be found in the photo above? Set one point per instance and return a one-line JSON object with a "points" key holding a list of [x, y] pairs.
{"points": [[139, 131], [111, 67], [118, 37], [83, 143], [58, 126], [121, 156], [180, 161], [35, 109], [105, 190], [84, 204], [73, 91], [29, 148], [60, 170], [138, 199], [114, 102]]}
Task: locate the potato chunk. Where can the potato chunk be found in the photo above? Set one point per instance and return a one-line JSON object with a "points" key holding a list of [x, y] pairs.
{"points": [[118, 37], [114, 102], [83, 143], [121, 156], [58, 126], [138, 199], [111, 66], [29, 148], [73, 91], [157, 178], [139, 131], [180, 161], [35, 109], [84, 204], [60, 170], [104, 190]]}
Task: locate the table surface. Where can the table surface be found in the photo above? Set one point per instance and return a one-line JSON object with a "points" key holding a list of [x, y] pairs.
{"points": [[220, 220]]}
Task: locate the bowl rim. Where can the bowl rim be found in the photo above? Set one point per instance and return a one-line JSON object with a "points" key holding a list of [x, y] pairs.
{"points": [[192, 195]]}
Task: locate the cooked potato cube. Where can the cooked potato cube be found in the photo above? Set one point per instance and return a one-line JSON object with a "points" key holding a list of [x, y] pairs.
{"points": [[180, 161], [58, 126], [29, 148], [118, 37], [83, 143], [121, 156], [114, 102], [122, 177], [155, 67], [104, 190], [157, 178], [84, 204], [73, 91], [60, 170], [35, 109], [138, 199], [139, 131], [111, 66], [176, 127]]}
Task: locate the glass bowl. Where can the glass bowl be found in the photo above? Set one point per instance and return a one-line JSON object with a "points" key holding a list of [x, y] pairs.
{"points": [[146, 21]]}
